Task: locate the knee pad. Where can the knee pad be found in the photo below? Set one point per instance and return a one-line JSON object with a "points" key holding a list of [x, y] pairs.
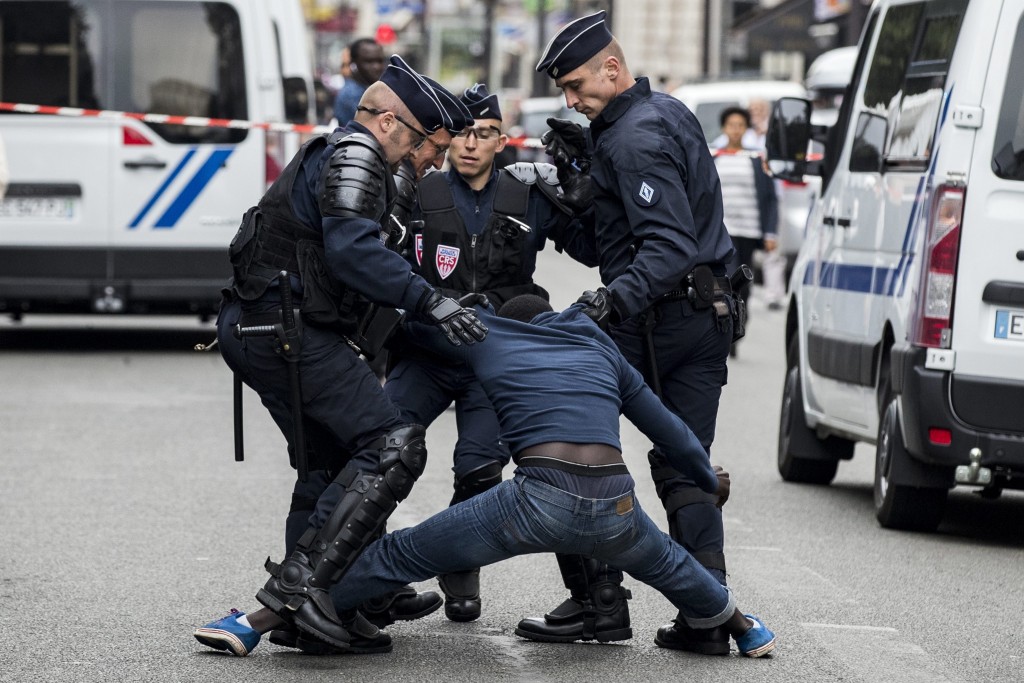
{"points": [[476, 482], [403, 457]]}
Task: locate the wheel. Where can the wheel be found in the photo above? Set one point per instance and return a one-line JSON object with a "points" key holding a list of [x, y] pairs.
{"points": [[899, 506], [797, 440]]}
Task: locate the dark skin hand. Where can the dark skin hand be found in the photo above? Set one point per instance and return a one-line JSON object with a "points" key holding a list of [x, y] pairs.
{"points": [[723, 485]]}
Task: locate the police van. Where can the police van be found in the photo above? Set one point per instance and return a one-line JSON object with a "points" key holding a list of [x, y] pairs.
{"points": [[905, 325], [107, 214]]}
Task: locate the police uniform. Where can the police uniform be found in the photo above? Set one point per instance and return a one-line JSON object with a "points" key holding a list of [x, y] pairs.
{"points": [[321, 222], [475, 241], [659, 223]]}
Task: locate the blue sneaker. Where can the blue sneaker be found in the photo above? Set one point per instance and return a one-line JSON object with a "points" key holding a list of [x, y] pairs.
{"points": [[228, 634], [756, 642]]}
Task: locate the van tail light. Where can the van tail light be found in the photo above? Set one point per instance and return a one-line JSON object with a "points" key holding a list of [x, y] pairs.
{"points": [[130, 136], [274, 157], [933, 321]]}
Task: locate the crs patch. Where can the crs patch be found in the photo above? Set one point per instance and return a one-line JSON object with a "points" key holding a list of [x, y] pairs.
{"points": [[419, 250], [446, 259], [646, 194]]}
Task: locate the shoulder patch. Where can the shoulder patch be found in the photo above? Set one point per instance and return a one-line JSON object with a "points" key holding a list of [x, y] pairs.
{"points": [[646, 193]]}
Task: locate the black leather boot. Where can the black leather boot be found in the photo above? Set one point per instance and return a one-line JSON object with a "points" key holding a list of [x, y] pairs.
{"points": [[365, 638], [706, 641], [461, 594], [290, 595], [404, 604], [597, 609]]}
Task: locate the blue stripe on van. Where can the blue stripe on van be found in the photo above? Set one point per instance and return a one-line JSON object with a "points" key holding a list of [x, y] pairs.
{"points": [[194, 187], [160, 190]]}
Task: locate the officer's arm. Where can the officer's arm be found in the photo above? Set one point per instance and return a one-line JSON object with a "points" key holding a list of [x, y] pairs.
{"points": [[574, 236], [669, 434], [658, 212]]}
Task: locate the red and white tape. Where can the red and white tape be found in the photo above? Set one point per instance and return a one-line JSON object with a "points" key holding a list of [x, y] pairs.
{"points": [[204, 121]]}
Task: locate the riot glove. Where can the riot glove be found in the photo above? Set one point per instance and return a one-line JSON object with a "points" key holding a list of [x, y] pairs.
{"points": [[567, 145], [598, 306], [474, 299], [460, 325]]}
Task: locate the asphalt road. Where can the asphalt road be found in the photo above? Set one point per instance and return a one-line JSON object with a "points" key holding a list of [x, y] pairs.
{"points": [[126, 523]]}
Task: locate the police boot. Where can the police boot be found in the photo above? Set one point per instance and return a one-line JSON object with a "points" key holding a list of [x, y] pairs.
{"points": [[297, 592], [365, 638], [462, 589], [404, 604], [596, 609]]}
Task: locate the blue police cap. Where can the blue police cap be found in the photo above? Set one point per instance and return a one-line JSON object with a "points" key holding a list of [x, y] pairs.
{"points": [[418, 95], [576, 43], [481, 104], [457, 111]]}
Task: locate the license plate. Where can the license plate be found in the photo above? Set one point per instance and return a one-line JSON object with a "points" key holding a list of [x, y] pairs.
{"points": [[1010, 325], [59, 208]]}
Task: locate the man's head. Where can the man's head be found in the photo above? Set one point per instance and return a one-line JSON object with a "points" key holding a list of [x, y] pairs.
{"points": [[587, 63], [367, 60], [346, 62], [473, 149], [432, 152], [524, 307], [405, 113]]}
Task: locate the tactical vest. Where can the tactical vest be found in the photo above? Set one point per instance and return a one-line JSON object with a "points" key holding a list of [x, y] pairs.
{"points": [[491, 262], [271, 239]]}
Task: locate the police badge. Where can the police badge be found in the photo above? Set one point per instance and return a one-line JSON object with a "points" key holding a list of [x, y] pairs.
{"points": [[446, 259]]}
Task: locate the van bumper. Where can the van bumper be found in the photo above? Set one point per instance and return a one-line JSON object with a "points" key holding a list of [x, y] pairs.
{"points": [[925, 403]]}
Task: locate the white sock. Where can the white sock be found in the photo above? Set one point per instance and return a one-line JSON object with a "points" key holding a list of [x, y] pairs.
{"points": [[244, 621]]}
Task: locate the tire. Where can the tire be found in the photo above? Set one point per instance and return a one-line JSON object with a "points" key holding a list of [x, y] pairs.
{"points": [[796, 439], [897, 506]]}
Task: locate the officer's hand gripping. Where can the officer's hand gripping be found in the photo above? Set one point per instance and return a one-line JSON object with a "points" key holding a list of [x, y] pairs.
{"points": [[567, 145], [460, 325], [723, 485], [598, 306], [474, 299]]}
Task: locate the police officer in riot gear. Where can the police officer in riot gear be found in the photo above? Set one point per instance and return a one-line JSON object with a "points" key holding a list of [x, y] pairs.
{"points": [[479, 231], [666, 302], [321, 224]]}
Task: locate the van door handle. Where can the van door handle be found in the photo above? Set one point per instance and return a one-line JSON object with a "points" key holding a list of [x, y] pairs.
{"points": [[829, 220], [145, 163], [843, 222]]}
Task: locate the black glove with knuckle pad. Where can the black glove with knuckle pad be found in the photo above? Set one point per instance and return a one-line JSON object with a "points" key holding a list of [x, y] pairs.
{"points": [[598, 306], [566, 143], [460, 325]]}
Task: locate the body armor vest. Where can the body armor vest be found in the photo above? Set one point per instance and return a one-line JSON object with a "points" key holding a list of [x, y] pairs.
{"points": [[491, 262]]}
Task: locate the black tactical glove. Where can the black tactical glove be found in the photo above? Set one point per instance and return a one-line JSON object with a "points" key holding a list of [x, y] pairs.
{"points": [[567, 144], [474, 299], [459, 324], [724, 485], [598, 306]]}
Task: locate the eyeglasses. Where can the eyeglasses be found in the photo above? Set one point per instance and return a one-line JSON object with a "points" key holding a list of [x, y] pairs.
{"points": [[423, 137], [488, 133]]}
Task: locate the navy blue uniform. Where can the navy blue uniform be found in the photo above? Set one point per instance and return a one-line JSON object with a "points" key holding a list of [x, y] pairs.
{"points": [[424, 385], [658, 213], [345, 410]]}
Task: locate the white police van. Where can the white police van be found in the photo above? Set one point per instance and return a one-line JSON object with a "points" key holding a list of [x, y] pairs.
{"points": [[906, 319], [117, 215]]}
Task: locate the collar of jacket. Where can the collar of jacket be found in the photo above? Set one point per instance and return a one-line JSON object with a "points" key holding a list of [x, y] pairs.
{"points": [[619, 105]]}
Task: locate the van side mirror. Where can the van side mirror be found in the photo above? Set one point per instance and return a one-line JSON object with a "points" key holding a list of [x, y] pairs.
{"points": [[868, 143], [789, 137], [296, 100]]}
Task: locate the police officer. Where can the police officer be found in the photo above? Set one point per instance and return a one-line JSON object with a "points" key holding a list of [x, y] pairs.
{"points": [[321, 222], [667, 304], [481, 229]]}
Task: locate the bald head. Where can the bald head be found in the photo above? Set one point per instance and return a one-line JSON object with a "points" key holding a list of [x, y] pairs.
{"points": [[382, 98]]}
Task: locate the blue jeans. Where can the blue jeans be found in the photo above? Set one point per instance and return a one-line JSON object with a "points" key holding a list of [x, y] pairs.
{"points": [[523, 515]]}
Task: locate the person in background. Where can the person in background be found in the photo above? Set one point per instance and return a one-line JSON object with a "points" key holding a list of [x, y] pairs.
{"points": [[366, 67]]}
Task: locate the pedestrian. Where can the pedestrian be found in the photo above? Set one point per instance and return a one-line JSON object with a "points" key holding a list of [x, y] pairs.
{"points": [[481, 230], [367, 65], [646, 170], [748, 193], [559, 385], [321, 223]]}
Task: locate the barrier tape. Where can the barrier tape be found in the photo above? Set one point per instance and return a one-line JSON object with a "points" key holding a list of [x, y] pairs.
{"points": [[201, 121]]}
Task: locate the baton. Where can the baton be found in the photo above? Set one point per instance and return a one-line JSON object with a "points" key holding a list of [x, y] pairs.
{"points": [[290, 348]]}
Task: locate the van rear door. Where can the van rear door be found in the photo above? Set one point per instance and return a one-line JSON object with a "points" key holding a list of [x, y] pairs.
{"points": [[988, 309]]}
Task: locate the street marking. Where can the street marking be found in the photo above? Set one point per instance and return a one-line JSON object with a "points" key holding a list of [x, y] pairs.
{"points": [[892, 659]]}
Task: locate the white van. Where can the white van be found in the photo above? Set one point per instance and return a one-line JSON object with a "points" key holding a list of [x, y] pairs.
{"points": [[116, 215], [906, 319]]}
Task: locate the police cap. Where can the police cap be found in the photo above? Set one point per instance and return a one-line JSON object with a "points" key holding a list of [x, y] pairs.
{"points": [[418, 95], [457, 111], [481, 104], [576, 43]]}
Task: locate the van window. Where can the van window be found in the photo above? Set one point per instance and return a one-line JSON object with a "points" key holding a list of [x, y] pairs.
{"points": [[180, 58], [908, 75], [1008, 160]]}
